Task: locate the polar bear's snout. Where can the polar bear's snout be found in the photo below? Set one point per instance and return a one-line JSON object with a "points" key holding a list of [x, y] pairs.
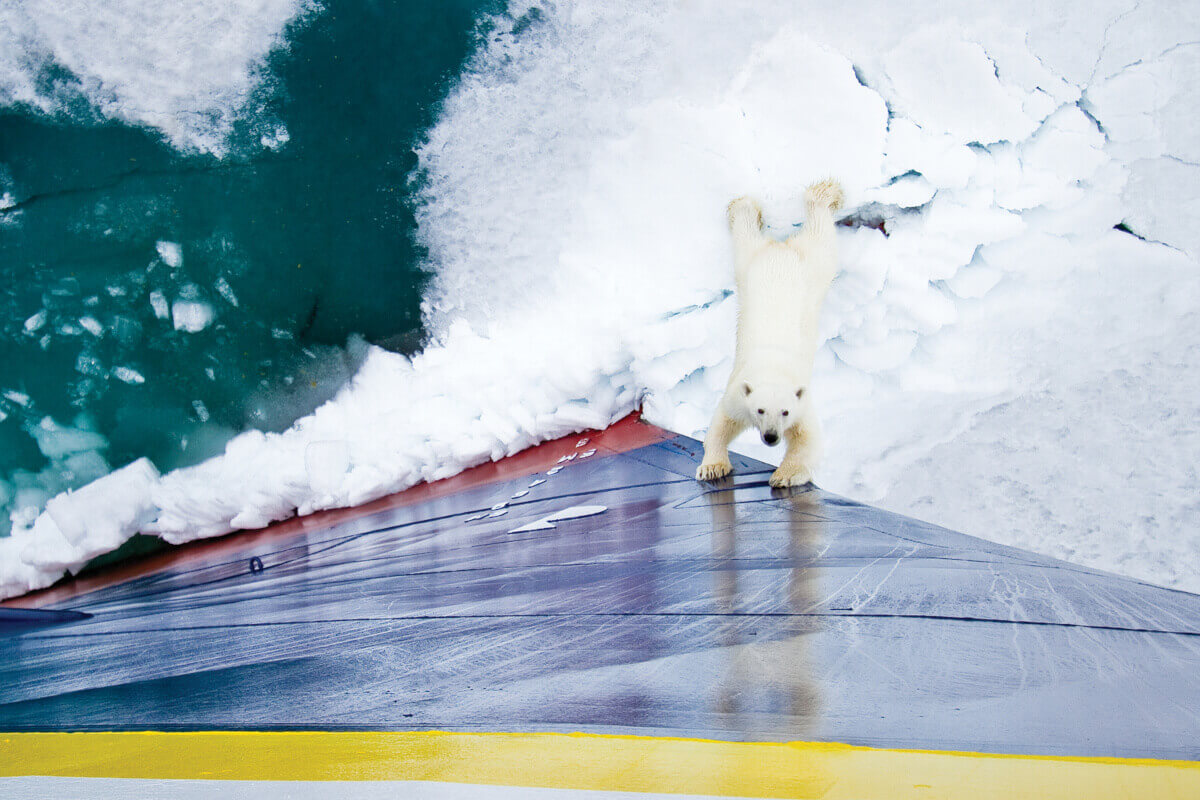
{"points": [[770, 438]]}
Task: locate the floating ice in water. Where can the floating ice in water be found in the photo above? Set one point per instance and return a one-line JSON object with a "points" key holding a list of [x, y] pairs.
{"points": [[186, 68], [128, 375], [276, 138], [92, 325], [225, 290], [79, 526], [35, 322], [547, 522], [20, 398], [170, 252], [191, 316], [57, 441], [159, 303]]}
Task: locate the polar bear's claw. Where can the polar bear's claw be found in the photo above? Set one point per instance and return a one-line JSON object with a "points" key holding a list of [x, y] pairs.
{"points": [[790, 476], [713, 471]]}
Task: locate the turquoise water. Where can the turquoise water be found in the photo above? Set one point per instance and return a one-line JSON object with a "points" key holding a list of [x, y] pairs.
{"points": [[296, 249]]}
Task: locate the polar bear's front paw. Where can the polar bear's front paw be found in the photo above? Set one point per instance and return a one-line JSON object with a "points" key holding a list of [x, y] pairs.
{"points": [[788, 475], [745, 210], [713, 470]]}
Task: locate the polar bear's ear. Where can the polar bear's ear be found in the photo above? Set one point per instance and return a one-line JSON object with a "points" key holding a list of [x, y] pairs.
{"points": [[747, 389], [799, 393]]}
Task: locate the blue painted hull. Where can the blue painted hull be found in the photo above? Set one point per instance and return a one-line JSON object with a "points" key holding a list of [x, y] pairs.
{"points": [[725, 611]]}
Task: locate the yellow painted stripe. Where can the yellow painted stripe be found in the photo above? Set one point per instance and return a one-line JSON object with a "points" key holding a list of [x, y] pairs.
{"points": [[587, 761]]}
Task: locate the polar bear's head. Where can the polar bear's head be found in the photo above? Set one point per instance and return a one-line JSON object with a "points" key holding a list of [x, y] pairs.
{"points": [[772, 408]]}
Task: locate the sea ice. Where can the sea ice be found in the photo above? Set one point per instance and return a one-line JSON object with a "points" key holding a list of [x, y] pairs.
{"points": [[185, 68], [191, 316], [170, 252], [995, 356]]}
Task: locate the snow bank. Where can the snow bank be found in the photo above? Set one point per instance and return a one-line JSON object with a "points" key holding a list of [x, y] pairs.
{"points": [[185, 68], [997, 357]]}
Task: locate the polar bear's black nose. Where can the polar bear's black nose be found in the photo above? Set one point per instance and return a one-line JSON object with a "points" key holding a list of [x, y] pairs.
{"points": [[770, 437]]}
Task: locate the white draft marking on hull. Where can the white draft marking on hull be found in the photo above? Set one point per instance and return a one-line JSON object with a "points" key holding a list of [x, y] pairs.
{"points": [[547, 522]]}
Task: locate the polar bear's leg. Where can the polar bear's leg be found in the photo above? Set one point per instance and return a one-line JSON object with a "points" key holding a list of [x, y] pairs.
{"points": [[816, 241], [803, 452], [721, 431], [745, 223], [821, 199]]}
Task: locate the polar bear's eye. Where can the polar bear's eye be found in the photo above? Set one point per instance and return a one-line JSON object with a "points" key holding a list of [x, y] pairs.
{"points": [[760, 411], [785, 412]]}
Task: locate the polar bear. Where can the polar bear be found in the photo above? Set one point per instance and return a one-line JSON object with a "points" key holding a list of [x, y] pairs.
{"points": [[780, 289]]}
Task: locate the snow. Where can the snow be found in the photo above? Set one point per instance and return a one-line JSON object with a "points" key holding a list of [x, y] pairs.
{"points": [[188, 69], [997, 358]]}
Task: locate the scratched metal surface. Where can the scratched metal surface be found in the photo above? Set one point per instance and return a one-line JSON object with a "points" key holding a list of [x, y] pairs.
{"points": [[681, 609]]}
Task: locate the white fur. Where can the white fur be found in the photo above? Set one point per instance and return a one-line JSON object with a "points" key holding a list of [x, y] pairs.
{"points": [[780, 287]]}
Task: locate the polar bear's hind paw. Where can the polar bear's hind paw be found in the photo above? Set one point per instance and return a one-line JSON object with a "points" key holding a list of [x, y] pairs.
{"points": [[714, 470]]}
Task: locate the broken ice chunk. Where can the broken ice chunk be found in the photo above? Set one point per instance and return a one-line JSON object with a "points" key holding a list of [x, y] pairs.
{"points": [[159, 303], [128, 375], [57, 441], [170, 252], [190, 316], [226, 291], [35, 322], [92, 325]]}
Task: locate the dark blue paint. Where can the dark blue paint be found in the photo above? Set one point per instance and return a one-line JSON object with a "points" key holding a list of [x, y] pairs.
{"points": [[729, 611]]}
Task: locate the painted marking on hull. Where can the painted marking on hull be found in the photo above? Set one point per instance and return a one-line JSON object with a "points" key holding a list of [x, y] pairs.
{"points": [[591, 761], [547, 522]]}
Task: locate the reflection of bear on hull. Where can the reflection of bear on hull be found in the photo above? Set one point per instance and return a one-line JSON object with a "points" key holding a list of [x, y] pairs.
{"points": [[780, 287]]}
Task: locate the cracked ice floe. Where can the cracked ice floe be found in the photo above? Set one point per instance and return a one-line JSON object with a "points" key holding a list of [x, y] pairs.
{"points": [[573, 194], [187, 69]]}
